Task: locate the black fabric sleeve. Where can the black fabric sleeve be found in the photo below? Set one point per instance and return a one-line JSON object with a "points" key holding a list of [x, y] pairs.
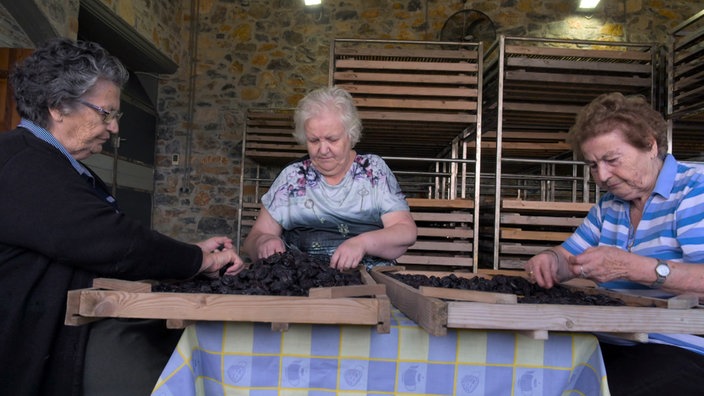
{"points": [[49, 208]]}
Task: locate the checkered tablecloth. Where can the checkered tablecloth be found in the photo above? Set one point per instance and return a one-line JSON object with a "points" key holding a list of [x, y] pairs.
{"points": [[231, 358]]}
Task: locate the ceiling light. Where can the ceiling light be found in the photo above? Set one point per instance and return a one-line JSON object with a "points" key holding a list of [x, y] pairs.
{"points": [[311, 3], [585, 4]]}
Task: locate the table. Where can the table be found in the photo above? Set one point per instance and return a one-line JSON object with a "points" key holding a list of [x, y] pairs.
{"points": [[235, 358]]}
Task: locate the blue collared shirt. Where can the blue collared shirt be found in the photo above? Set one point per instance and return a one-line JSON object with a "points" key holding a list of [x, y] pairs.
{"points": [[671, 228], [46, 136]]}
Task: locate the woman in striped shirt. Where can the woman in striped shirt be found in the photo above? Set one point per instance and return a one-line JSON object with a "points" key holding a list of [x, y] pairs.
{"points": [[646, 232]]}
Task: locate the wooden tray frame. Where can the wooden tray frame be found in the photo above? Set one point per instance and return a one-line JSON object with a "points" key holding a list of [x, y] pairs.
{"points": [[365, 304], [681, 314]]}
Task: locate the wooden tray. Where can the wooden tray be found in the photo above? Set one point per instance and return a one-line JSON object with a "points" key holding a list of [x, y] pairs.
{"points": [[365, 304], [478, 310]]}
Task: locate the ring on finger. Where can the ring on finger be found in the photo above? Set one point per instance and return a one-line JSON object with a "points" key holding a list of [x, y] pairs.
{"points": [[581, 272]]}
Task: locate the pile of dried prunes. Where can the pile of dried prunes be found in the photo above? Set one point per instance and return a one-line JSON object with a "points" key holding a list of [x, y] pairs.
{"points": [[526, 292], [291, 273]]}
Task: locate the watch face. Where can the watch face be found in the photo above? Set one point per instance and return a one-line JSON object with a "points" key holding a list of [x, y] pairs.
{"points": [[662, 270]]}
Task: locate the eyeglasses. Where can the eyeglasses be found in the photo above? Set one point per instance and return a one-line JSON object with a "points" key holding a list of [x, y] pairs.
{"points": [[108, 116]]}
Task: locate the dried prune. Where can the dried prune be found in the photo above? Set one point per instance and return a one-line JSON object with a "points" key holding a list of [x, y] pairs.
{"points": [[291, 273], [527, 292]]}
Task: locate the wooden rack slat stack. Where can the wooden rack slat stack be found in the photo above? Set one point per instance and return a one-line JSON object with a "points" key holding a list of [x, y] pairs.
{"points": [[414, 97], [686, 88], [445, 233], [268, 138], [533, 89], [528, 227]]}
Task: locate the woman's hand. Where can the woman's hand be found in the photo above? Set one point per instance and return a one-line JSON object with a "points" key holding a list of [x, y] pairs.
{"points": [[602, 264], [268, 245], [218, 252], [549, 267], [264, 239], [348, 255], [215, 243]]}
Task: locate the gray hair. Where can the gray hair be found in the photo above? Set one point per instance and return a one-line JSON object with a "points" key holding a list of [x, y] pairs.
{"points": [[59, 72], [321, 100]]}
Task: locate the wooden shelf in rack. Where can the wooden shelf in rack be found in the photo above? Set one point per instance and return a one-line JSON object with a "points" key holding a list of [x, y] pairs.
{"points": [[561, 208], [528, 227], [269, 137], [445, 233], [414, 98]]}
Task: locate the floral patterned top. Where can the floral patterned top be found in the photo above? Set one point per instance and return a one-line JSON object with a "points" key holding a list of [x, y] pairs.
{"points": [[317, 217]]}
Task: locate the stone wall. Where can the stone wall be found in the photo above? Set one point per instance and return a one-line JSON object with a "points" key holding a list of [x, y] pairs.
{"points": [[237, 54], [269, 53]]}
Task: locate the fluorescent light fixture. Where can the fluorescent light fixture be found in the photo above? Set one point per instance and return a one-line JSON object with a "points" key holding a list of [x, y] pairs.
{"points": [[311, 3], [585, 4]]}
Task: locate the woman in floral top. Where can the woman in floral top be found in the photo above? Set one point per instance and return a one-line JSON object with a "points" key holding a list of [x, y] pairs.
{"points": [[334, 201]]}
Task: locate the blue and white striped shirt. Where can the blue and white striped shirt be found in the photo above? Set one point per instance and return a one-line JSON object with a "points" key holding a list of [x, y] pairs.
{"points": [[672, 226]]}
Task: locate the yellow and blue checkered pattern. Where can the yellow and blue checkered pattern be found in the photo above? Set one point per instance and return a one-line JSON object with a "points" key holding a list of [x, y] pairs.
{"points": [[232, 358]]}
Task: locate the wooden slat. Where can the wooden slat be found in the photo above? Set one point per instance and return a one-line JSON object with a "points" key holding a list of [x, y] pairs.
{"points": [[541, 107], [469, 295], [416, 203], [426, 104], [520, 249], [192, 306], [601, 81], [527, 146], [347, 291], [272, 154], [428, 312], [569, 65], [455, 92], [514, 218], [406, 65], [440, 79], [617, 53], [118, 284], [527, 135], [542, 206], [405, 53], [462, 217], [453, 246], [513, 233], [460, 118], [275, 147], [442, 232], [424, 259]]}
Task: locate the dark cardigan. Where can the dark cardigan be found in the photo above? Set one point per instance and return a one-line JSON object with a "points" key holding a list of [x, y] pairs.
{"points": [[57, 234]]}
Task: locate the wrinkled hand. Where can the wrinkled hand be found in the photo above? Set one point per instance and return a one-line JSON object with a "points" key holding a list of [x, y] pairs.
{"points": [[543, 268], [601, 264], [348, 255], [215, 243], [218, 252], [268, 245]]}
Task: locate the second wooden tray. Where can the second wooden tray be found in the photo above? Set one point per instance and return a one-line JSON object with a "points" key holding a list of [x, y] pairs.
{"points": [[640, 316]]}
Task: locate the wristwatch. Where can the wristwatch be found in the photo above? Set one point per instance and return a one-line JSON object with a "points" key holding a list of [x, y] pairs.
{"points": [[662, 270]]}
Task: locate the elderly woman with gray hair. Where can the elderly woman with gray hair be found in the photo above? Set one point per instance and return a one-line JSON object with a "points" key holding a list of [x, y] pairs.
{"points": [[60, 228], [335, 201]]}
